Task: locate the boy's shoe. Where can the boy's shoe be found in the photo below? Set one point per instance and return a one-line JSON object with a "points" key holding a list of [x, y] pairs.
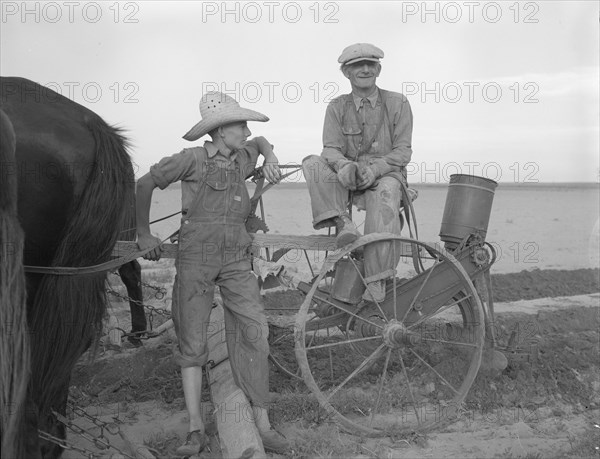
{"points": [[274, 442], [195, 442]]}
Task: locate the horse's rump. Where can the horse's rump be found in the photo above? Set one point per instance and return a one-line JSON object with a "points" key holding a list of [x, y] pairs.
{"points": [[75, 188]]}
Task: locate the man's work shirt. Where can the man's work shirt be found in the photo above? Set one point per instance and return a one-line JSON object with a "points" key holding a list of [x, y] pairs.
{"points": [[189, 167], [351, 123]]}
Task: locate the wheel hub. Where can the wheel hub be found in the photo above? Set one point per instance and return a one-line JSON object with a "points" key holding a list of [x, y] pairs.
{"points": [[396, 335], [393, 333]]}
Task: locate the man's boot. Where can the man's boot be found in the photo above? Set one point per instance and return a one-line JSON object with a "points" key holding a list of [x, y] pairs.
{"points": [[375, 291], [346, 231]]}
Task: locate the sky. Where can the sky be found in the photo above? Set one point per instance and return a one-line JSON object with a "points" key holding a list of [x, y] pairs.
{"points": [[505, 90]]}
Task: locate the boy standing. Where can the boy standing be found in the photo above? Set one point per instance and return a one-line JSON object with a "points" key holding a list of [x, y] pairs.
{"points": [[213, 250]]}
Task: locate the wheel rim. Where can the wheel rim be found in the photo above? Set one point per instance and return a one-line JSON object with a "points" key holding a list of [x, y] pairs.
{"points": [[419, 366]]}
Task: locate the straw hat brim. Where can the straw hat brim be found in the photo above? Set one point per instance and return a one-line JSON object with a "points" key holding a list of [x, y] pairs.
{"points": [[224, 116]]}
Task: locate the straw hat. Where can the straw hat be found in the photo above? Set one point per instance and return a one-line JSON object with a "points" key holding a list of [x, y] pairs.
{"points": [[218, 109]]}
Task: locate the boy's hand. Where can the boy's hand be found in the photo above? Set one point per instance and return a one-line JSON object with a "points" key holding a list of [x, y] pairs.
{"points": [[270, 167], [147, 241], [271, 170]]}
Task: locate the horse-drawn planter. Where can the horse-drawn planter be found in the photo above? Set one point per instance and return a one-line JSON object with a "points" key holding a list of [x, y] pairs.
{"points": [[417, 352]]}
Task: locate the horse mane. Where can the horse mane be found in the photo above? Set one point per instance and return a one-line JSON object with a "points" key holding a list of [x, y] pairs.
{"points": [[14, 339], [68, 311]]}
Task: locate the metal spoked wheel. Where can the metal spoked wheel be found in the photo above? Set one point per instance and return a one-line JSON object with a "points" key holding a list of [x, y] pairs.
{"points": [[405, 364], [281, 332]]}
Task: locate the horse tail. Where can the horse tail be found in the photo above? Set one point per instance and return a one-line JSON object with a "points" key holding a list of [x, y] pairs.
{"points": [[14, 339], [68, 310]]}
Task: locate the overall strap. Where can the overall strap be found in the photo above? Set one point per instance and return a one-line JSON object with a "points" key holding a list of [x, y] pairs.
{"points": [[348, 105], [201, 155], [391, 127], [384, 101], [381, 121]]}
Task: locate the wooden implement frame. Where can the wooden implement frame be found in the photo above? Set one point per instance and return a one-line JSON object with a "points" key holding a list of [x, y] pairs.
{"points": [[319, 243]]}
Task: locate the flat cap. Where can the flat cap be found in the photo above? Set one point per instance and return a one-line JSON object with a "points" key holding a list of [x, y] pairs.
{"points": [[360, 52]]}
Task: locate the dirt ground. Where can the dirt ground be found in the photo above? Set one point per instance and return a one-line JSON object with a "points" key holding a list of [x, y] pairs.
{"points": [[546, 403]]}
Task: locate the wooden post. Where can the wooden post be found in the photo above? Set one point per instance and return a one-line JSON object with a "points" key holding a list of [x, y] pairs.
{"points": [[233, 412]]}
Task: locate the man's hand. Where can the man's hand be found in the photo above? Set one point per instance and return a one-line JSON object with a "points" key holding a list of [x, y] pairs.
{"points": [[271, 170], [347, 175], [366, 177], [147, 241]]}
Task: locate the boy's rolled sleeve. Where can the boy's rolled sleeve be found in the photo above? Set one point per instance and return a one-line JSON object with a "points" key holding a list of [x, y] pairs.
{"points": [[174, 168]]}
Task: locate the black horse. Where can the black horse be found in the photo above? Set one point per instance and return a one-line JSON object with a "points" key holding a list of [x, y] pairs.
{"points": [[74, 185]]}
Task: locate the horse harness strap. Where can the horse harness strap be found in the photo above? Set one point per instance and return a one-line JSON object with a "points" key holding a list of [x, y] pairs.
{"points": [[94, 269]]}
